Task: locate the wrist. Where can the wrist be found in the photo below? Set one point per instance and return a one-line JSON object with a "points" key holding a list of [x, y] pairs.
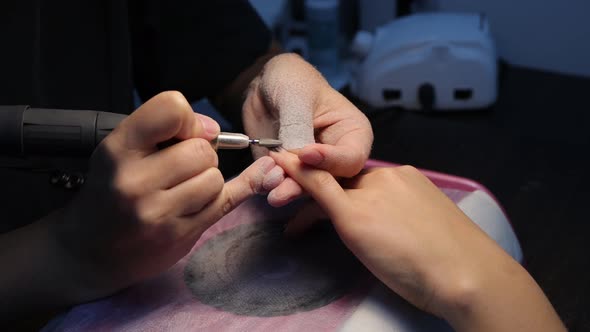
{"points": [[464, 293], [498, 295], [86, 279], [41, 278], [67, 267]]}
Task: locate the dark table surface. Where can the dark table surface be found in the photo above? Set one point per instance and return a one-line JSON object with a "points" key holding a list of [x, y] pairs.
{"points": [[531, 149]]}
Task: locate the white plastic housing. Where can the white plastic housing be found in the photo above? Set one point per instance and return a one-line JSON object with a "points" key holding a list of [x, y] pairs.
{"points": [[453, 53]]}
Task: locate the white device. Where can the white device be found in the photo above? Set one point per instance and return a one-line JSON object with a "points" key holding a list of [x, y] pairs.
{"points": [[434, 61]]}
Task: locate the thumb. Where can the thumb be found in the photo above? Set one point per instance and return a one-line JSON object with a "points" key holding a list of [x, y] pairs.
{"points": [[165, 116]]}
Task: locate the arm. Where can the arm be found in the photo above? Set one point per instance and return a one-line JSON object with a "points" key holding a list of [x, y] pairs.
{"points": [[38, 275], [418, 243], [501, 297]]}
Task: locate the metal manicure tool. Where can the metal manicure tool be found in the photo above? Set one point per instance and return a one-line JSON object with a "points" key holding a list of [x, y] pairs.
{"points": [[241, 141]]}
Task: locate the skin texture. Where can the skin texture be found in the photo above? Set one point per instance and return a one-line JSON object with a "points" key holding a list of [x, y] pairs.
{"points": [[342, 132], [141, 210], [419, 244]]}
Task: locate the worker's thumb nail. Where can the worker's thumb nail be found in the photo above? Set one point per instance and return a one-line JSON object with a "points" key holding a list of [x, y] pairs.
{"points": [[211, 126]]}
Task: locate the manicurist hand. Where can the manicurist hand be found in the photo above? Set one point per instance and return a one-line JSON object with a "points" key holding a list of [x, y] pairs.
{"points": [[144, 208], [141, 209], [419, 244], [293, 93]]}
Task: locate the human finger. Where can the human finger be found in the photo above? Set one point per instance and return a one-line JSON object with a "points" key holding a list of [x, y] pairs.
{"points": [[234, 192], [273, 179], [179, 162], [320, 184], [190, 196], [284, 193], [238, 189], [167, 115], [346, 158]]}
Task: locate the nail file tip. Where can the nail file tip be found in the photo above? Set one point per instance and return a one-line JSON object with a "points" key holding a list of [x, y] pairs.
{"points": [[269, 143]]}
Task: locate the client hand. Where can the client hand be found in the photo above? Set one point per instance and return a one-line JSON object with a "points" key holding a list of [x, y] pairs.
{"points": [[418, 243], [286, 98]]}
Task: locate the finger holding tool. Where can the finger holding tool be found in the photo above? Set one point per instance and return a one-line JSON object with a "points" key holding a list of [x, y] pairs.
{"points": [[26, 131]]}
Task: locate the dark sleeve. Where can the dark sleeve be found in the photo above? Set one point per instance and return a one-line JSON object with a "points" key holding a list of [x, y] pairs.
{"points": [[194, 46]]}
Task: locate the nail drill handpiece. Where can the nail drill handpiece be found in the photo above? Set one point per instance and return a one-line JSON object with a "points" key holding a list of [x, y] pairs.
{"points": [[241, 141], [30, 131]]}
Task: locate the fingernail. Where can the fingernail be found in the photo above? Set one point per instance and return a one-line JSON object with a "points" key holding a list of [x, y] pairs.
{"points": [[312, 157], [277, 199], [266, 164], [263, 166], [211, 127], [273, 178]]}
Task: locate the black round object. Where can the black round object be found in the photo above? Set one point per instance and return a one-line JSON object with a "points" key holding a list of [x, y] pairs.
{"points": [[254, 270], [427, 96]]}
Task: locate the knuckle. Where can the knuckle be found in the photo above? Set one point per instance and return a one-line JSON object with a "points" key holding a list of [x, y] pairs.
{"points": [[399, 176], [358, 163], [224, 200], [386, 175], [130, 185], [217, 181], [354, 164], [144, 215], [214, 180], [228, 204], [203, 152], [408, 170], [180, 156], [322, 179], [386, 172], [150, 212], [174, 102], [228, 207], [172, 98]]}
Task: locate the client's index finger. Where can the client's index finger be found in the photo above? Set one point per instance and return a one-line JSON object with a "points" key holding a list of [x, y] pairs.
{"points": [[320, 184]]}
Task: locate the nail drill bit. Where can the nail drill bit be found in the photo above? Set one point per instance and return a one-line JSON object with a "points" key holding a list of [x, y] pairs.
{"points": [[266, 142], [241, 141]]}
